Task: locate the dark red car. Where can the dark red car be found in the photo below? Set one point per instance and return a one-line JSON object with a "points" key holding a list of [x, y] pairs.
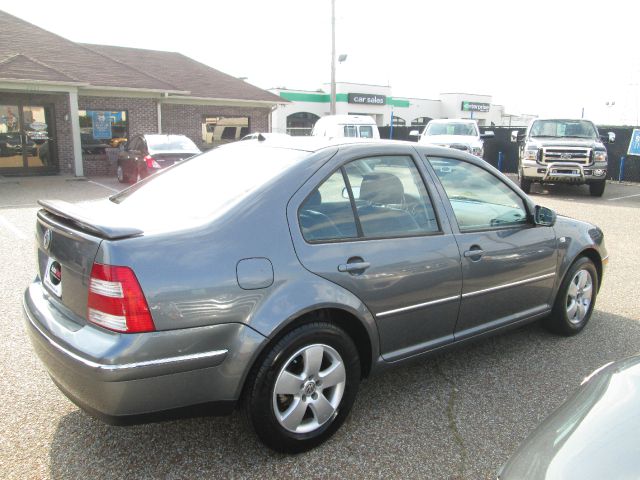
{"points": [[145, 154]]}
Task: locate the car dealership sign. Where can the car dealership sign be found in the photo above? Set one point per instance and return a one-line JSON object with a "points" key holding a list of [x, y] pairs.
{"points": [[367, 99], [475, 106]]}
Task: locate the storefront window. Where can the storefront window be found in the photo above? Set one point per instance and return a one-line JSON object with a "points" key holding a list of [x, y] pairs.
{"points": [[399, 122], [220, 130], [300, 124], [100, 129]]}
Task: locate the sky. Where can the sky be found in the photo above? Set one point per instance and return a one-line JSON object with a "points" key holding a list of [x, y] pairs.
{"points": [[550, 58]]}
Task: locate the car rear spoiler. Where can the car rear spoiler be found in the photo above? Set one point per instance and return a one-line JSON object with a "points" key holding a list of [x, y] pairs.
{"points": [[79, 217]]}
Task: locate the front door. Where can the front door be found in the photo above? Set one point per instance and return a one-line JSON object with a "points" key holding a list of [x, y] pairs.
{"points": [[370, 227], [27, 140], [508, 263]]}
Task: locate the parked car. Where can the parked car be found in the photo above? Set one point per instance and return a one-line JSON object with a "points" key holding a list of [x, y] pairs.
{"points": [[353, 126], [460, 134], [592, 435], [563, 151], [278, 275], [146, 154]]}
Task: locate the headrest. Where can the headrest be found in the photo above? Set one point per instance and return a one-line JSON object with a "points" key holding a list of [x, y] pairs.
{"points": [[382, 189]]}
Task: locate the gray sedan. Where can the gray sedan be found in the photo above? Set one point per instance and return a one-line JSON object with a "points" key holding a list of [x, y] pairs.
{"points": [[278, 274]]}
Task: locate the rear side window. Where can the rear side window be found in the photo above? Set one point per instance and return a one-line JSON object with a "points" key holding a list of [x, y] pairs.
{"points": [[326, 214], [387, 194], [366, 131]]}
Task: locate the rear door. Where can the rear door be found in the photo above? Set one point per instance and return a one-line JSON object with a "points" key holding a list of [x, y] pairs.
{"points": [[508, 263], [368, 224]]}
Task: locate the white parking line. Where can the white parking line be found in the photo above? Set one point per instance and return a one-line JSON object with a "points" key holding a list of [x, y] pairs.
{"points": [[622, 198], [12, 228], [104, 186]]}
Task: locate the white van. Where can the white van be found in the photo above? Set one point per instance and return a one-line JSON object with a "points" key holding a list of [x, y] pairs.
{"points": [[362, 126]]}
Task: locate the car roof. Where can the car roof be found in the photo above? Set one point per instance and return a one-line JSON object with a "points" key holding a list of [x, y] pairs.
{"points": [[314, 143]]}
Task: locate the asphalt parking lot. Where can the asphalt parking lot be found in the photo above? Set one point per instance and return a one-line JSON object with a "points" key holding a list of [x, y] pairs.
{"points": [[456, 416]]}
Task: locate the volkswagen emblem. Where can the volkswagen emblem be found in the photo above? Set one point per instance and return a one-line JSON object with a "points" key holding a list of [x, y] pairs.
{"points": [[46, 239]]}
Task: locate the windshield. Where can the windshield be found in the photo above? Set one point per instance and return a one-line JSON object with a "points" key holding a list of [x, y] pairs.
{"points": [[170, 143], [208, 184], [452, 128], [563, 128]]}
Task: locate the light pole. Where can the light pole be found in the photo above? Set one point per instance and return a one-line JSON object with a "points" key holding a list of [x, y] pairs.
{"points": [[333, 58]]}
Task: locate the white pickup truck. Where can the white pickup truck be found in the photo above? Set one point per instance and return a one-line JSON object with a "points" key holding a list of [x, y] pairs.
{"points": [[460, 134]]}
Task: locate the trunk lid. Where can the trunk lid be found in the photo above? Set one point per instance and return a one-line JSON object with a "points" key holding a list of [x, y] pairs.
{"points": [[68, 239]]}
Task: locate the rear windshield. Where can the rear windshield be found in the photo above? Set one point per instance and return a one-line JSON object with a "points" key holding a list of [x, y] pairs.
{"points": [[170, 143], [208, 184]]}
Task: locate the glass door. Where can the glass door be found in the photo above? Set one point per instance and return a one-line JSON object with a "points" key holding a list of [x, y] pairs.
{"points": [[27, 140]]}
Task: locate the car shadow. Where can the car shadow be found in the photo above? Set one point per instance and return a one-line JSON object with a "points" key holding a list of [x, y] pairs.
{"points": [[455, 415]]}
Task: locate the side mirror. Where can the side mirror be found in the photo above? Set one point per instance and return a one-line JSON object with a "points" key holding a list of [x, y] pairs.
{"points": [[487, 134], [612, 137], [544, 216], [414, 133], [514, 136]]}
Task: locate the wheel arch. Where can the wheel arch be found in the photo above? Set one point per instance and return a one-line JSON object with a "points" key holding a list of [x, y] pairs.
{"points": [[341, 317], [593, 255]]}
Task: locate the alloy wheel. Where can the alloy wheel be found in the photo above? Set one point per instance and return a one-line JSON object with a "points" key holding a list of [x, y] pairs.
{"points": [[579, 296], [309, 388]]}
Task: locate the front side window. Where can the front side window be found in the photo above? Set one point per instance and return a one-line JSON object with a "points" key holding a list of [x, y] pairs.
{"points": [[387, 194], [478, 198]]}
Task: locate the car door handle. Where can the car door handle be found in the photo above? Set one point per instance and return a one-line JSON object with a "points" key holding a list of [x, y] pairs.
{"points": [[353, 267], [474, 252]]}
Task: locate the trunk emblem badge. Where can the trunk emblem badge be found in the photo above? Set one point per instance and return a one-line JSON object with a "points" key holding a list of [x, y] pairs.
{"points": [[46, 241]]}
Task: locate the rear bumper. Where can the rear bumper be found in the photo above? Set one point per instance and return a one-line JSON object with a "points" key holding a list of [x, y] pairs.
{"points": [[564, 172], [114, 375]]}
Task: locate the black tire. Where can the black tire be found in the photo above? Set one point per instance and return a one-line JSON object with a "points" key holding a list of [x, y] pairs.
{"points": [[525, 183], [596, 189], [560, 321], [261, 402]]}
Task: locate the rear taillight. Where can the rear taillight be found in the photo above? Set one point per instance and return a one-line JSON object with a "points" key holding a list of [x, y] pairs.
{"points": [[116, 300], [151, 162]]}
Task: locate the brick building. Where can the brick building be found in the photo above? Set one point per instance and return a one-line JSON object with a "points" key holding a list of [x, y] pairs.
{"points": [[66, 107]]}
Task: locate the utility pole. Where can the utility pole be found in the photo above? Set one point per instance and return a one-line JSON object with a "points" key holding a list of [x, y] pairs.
{"points": [[333, 57]]}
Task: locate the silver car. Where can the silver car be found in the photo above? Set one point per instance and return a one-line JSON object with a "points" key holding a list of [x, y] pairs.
{"points": [[279, 275]]}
